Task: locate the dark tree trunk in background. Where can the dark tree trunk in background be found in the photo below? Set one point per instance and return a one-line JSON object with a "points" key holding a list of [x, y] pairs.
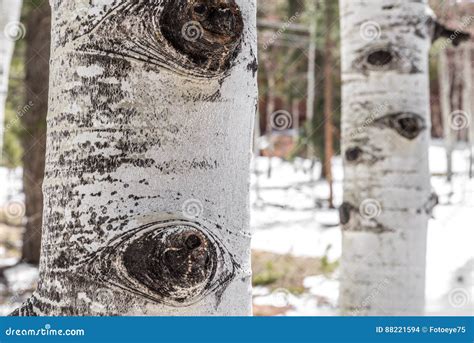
{"points": [[295, 7], [34, 122], [328, 100]]}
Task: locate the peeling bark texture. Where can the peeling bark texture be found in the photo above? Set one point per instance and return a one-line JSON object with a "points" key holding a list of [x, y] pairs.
{"points": [[10, 30], [386, 122], [147, 168]]}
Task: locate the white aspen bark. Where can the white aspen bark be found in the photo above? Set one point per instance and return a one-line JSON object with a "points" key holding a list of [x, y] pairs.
{"points": [[10, 31], [458, 128], [467, 92], [468, 102], [270, 109], [147, 170], [445, 85], [295, 114], [385, 129]]}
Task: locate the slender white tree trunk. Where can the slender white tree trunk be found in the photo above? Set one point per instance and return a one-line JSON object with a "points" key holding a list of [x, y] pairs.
{"points": [[10, 31], [386, 128], [445, 85], [468, 102], [295, 114], [147, 170]]}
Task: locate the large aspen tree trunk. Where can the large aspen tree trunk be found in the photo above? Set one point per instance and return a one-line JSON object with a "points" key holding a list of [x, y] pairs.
{"points": [[147, 168], [11, 30], [386, 128]]}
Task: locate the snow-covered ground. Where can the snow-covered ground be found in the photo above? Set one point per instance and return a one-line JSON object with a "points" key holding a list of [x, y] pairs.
{"points": [[284, 222], [290, 216], [10, 185]]}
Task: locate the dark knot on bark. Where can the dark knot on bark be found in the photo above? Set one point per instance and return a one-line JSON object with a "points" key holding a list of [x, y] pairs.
{"points": [[345, 212], [174, 262], [406, 124], [207, 32], [187, 259], [353, 154], [380, 58]]}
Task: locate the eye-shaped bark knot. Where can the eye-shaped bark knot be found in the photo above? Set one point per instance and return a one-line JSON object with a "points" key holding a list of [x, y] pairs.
{"points": [[406, 124], [208, 32], [174, 262]]}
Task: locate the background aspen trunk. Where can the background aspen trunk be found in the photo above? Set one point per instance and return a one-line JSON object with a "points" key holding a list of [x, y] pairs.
{"points": [[445, 86], [386, 126], [11, 30], [468, 103], [147, 168]]}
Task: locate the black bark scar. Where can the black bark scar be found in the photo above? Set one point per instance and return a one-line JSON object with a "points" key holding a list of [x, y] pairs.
{"points": [[207, 31], [168, 265], [353, 154], [174, 262], [345, 212], [189, 37], [407, 124], [379, 57], [386, 57]]}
